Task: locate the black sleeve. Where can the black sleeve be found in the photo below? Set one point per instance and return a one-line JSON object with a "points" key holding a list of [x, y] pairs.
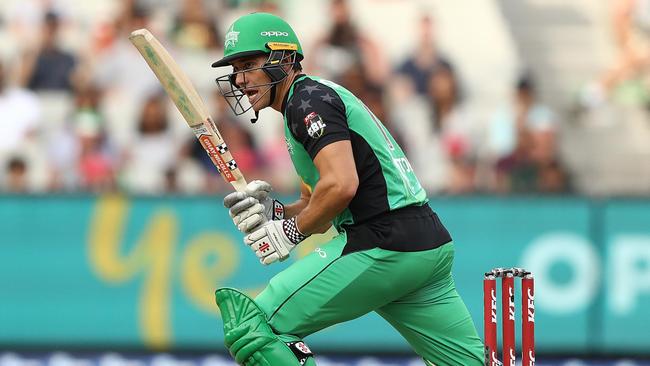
{"points": [[316, 116]]}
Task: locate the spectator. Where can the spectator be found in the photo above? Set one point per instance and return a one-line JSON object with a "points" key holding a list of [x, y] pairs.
{"points": [[20, 111], [627, 79], [426, 114], [457, 132], [68, 147], [374, 99], [95, 163], [124, 77], [372, 95], [421, 64], [522, 137], [171, 181], [439, 135], [153, 150], [345, 46], [267, 6], [187, 175], [51, 68], [16, 176], [193, 27]]}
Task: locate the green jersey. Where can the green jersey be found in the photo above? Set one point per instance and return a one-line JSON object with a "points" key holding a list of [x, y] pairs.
{"points": [[318, 112]]}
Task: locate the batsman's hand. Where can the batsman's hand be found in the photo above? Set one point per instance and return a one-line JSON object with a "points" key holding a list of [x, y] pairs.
{"points": [[253, 207], [274, 240]]}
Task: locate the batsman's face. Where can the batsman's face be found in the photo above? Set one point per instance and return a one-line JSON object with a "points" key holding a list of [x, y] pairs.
{"points": [[253, 81]]}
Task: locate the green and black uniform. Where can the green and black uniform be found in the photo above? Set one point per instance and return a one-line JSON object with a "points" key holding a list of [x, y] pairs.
{"points": [[392, 255]]}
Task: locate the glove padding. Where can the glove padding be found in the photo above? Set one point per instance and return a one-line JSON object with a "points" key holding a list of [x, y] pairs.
{"points": [[253, 207], [274, 240]]}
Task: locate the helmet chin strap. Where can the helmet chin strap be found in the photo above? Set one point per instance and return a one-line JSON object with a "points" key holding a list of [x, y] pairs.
{"points": [[272, 95], [276, 74]]}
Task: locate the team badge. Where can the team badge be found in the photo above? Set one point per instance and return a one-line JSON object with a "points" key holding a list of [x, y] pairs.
{"points": [[315, 125], [231, 38]]}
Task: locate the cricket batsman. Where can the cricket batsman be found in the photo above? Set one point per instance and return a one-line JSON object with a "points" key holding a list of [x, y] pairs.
{"points": [[392, 255]]}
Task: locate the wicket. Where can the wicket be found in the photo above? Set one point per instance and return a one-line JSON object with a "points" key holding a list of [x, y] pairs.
{"points": [[507, 276]]}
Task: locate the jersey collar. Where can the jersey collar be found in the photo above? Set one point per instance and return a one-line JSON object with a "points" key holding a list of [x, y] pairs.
{"points": [[296, 79]]}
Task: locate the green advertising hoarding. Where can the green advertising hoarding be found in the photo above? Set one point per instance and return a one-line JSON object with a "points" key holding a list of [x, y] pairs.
{"points": [[625, 274], [517, 232], [106, 272]]}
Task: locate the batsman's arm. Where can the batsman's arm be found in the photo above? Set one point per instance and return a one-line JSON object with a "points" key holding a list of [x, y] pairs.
{"points": [[335, 189], [294, 208]]}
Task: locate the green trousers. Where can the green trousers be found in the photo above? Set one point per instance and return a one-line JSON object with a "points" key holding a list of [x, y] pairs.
{"points": [[413, 291]]}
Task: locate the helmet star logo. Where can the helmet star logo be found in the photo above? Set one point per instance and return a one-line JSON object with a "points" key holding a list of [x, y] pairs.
{"points": [[231, 38]]}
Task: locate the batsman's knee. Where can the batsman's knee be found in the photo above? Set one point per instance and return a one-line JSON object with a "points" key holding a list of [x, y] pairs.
{"points": [[250, 339]]}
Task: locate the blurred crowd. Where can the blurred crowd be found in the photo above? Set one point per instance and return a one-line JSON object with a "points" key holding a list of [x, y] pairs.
{"points": [[77, 116]]}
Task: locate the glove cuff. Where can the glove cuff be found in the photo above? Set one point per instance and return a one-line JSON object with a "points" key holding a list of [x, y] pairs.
{"points": [[291, 231], [277, 210]]}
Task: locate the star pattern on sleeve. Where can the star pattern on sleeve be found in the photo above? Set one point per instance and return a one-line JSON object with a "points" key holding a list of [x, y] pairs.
{"points": [[328, 98], [310, 89], [304, 104]]}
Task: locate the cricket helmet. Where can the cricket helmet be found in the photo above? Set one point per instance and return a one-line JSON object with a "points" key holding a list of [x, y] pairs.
{"points": [[252, 35], [256, 34]]}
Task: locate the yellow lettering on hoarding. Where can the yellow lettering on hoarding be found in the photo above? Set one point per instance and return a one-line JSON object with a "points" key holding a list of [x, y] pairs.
{"points": [[209, 259], [151, 257], [158, 243]]}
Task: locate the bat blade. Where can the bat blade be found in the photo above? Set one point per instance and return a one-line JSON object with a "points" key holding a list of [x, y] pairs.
{"points": [[189, 104]]}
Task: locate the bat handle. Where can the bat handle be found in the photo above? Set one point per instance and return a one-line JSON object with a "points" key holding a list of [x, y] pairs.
{"points": [[239, 184]]}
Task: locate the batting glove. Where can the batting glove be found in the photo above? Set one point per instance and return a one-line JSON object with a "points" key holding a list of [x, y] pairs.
{"points": [[274, 240], [253, 207]]}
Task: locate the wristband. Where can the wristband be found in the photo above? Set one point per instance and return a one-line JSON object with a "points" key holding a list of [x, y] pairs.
{"points": [[291, 231]]}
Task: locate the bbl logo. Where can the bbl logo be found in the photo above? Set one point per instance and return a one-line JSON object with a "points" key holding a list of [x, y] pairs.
{"points": [[315, 125]]}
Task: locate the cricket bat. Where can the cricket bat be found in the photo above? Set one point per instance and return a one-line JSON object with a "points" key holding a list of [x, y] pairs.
{"points": [[189, 103]]}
